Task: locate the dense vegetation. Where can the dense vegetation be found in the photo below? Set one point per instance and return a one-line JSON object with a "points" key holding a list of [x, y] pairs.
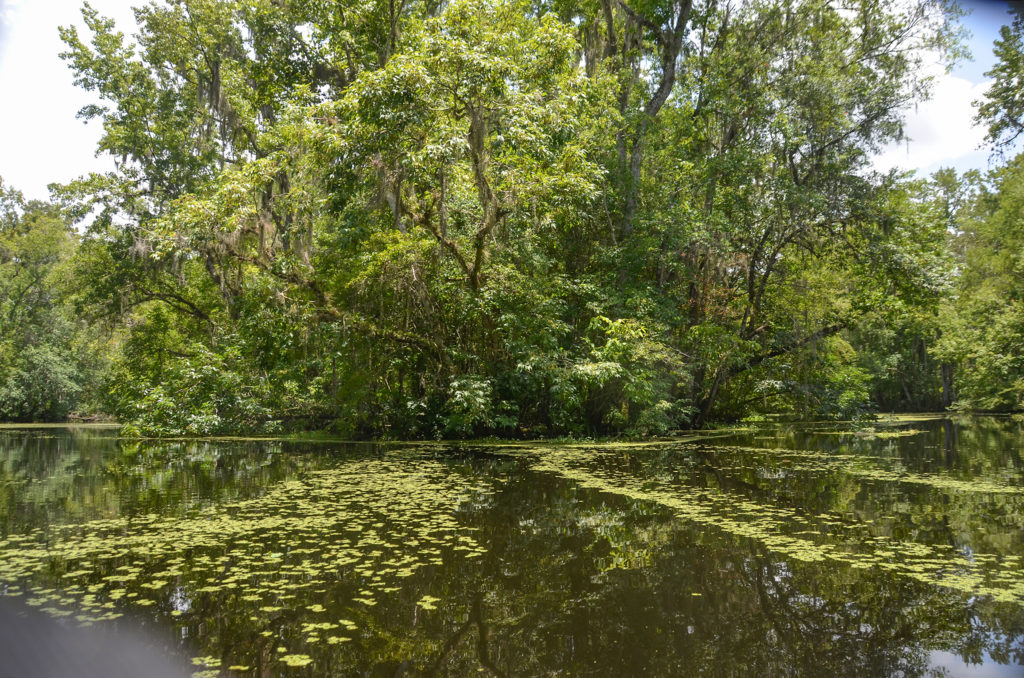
{"points": [[406, 218]]}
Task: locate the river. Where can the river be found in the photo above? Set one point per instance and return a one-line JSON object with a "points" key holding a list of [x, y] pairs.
{"points": [[808, 549]]}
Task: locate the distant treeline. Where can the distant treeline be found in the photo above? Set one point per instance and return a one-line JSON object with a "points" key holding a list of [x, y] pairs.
{"points": [[417, 219]]}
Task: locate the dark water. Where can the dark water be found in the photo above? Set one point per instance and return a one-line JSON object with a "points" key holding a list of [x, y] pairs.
{"points": [[781, 550]]}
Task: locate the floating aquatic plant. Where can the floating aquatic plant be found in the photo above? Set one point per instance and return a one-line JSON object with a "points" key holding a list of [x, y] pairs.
{"points": [[375, 522], [778, 528]]}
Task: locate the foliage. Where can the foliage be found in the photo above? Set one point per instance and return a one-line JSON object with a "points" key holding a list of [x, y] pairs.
{"points": [[1002, 109], [984, 329], [42, 385], [51, 361], [503, 217]]}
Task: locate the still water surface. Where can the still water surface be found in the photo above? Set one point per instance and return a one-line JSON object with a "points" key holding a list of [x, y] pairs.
{"points": [[792, 549]]}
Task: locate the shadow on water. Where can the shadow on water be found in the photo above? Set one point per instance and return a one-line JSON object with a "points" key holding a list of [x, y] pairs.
{"points": [[786, 550]]}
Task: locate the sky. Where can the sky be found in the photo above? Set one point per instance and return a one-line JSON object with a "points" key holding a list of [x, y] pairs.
{"points": [[941, 130], [42, 141]]}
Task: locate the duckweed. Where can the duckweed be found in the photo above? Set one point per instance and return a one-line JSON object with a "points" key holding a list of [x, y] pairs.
{"points": [[315, 563], [376, 522], [790, 533]]}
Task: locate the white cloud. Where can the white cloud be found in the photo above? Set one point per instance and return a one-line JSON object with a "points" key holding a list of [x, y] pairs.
{"points": [[8, 10], [941, 130], [42, 141]]}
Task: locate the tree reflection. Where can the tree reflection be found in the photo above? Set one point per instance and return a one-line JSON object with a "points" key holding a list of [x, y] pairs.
{"points": [[570, 580]]}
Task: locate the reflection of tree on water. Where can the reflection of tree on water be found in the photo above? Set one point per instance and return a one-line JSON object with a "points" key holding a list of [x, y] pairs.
{"points": [[899, 500], [478, 622], [755, 615], [90, 474], [949, 443], [572, 581]]}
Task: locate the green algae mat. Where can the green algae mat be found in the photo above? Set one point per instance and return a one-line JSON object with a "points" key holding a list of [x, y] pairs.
{"points": [[782, 549]]}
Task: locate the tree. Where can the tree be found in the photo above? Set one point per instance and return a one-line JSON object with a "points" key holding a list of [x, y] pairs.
{"points": [[763, 178], [50, 361], [1002, 109], [984, 329], [495, 216]]}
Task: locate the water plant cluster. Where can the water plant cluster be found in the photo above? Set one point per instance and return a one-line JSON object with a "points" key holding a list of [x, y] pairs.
{"points": [[794, 535], [302, 562], [336, 558]]}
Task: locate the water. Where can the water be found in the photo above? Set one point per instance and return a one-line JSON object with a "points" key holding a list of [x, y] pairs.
{"points": [[782, 549]]}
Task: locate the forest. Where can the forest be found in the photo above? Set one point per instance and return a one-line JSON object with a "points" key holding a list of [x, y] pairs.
{"points": [[514, 218]]}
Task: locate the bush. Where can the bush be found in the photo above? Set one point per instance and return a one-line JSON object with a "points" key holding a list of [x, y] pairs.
{"points": [[43, 385]]}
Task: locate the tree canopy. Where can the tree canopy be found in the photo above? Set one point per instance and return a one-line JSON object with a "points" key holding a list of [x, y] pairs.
{"points": [[522, 218]]}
